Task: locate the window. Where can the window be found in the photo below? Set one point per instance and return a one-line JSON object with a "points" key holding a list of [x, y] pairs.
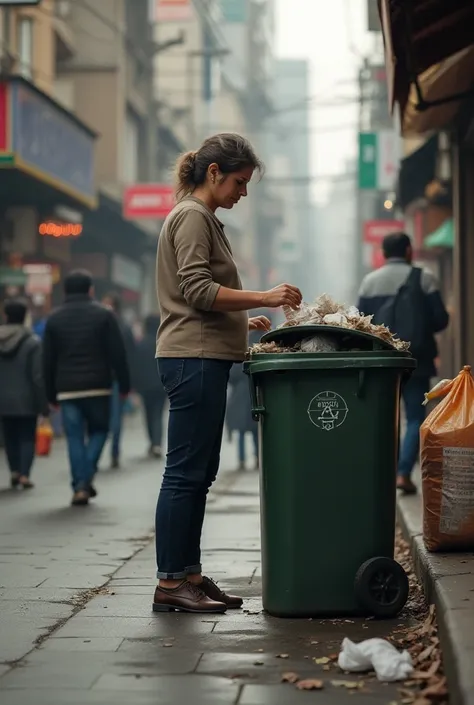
{"points": [[25, 46]]}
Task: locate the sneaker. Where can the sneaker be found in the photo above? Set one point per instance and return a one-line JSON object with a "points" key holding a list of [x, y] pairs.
{"points": [[406, 485], [115, 464], [25, 483], [92, 491], [14, 480]]}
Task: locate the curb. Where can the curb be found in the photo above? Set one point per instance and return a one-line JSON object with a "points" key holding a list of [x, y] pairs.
{"points": [[448, 582]]}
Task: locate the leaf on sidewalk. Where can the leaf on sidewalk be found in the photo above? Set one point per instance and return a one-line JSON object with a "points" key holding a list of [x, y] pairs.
{"points": [[258, 663], [426, 675], [322, 661], [424, 655], [310, 684], [290, 678], [350, 685], [435, 691], [283, 656]]}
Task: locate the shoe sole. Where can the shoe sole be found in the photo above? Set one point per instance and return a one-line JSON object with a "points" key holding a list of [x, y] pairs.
{"points": [[169, 608]]}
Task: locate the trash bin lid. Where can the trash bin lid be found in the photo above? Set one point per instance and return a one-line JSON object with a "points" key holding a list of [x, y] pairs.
{"points": [[345, 336]]}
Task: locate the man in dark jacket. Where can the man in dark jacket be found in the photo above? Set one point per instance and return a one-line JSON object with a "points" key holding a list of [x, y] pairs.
{"points": [[22, 395], [113, 301], [83, 353], [148, 385], [381, 286]]}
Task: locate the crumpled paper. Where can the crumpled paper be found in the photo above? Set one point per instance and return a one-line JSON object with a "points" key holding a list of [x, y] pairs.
{"points": [[389, 664], [326, 311]]}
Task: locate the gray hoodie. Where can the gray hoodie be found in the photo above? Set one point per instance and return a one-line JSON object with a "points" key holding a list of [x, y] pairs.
{"points": [[21, 378]]}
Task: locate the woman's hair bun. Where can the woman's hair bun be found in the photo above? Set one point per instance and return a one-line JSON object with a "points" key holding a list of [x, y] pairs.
{"points": [[185, 169]]}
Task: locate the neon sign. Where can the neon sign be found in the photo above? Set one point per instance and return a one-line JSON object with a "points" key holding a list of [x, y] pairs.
{"points": [[60, 229]]}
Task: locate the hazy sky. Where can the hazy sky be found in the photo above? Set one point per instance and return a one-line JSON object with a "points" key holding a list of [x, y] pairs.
{"points": [[332, 35]]}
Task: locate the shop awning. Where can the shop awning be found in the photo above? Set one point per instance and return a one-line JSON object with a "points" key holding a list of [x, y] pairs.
{"points": [[416, 172], [419, 34], [442, 237]]}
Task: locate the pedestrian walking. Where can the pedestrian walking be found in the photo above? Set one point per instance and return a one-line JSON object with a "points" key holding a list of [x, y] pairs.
{"points": [[239, 412], [22, 396], [84, 353], [149, 386], [203, 331], [113, 301], [407, 300]]}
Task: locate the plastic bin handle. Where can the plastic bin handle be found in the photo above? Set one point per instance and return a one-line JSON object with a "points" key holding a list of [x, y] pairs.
{"points": [[257, 409]]}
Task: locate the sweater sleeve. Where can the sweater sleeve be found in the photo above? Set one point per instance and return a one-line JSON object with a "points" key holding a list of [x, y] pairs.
{"points": [[192, 240]]}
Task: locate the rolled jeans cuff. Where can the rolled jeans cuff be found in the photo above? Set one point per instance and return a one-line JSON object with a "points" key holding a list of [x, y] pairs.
{"points": [[194, 569], [171, 576]]}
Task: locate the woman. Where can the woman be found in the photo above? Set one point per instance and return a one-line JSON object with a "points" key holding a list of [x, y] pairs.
{"points": [[203, 331], [148, 385]]}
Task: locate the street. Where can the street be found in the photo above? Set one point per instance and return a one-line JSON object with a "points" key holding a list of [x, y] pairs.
{"points": [[76, 626]]}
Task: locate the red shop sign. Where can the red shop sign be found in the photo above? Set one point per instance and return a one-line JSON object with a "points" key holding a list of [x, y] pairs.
{"points": [[376, 230], [148, 201]]}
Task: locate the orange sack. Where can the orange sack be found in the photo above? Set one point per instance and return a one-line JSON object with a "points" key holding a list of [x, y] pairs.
{"points": [[447, 466]]}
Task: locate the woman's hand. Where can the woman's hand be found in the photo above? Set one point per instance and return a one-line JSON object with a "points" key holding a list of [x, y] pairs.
{"points": [[282, 295], [260, 323]]}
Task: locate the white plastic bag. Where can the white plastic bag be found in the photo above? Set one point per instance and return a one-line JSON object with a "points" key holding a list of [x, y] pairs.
{"points": [[319, 343], [377, 654]]}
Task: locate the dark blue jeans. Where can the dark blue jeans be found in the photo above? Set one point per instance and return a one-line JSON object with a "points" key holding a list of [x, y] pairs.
{"points": [[413, 395], [197, 391], [116, 421], [19, 435], [86, 425]]}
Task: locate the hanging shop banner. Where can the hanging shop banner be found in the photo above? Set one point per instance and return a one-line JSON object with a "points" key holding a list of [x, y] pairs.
{"points": [[172, 10], [148, 201], [379, 159], [376, 230]]}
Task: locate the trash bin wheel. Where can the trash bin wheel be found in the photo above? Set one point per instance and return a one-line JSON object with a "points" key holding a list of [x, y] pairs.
{"points": [[381, 587]]}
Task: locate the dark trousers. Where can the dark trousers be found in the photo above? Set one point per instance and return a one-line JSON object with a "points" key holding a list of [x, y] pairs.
{"points": [[86, 425], [117, 405], [153, 405], [20, 438], [197, 391], [413, 395]]}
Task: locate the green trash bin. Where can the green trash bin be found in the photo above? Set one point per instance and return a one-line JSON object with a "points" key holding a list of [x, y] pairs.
{"points": [[329, 434]]}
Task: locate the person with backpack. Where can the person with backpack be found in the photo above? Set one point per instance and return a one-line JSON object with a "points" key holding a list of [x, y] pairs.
{"points": [[407, 300]]}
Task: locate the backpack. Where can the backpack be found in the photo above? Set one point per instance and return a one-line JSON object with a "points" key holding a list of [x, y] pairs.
{"points": [[406, 315]]}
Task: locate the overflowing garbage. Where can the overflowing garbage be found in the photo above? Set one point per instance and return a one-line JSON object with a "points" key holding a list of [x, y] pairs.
{"points": [[326, 311]]}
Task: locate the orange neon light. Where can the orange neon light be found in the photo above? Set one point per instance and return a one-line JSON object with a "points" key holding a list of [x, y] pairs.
{"points": [[60, 229]]}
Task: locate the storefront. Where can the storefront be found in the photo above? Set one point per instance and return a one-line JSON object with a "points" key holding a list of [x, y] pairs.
{"points": [[116, 251], [429, 47], [46, 181]]}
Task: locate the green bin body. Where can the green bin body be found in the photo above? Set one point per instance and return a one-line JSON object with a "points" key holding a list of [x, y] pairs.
{"points": [[329, 431]]}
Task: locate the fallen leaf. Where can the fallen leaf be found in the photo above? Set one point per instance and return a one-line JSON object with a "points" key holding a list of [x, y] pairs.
{"points": [[167, 646], [350, 685], [284, 656], [310, 684], [426, 675], [322, 661], [426, 653], [313, 643], [333, 657], [437, 690], [326, 668], [258, 663], [290, 678]]}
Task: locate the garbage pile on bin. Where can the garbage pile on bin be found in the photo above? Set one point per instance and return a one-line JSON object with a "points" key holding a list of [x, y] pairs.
{"points": [[326, 311]]}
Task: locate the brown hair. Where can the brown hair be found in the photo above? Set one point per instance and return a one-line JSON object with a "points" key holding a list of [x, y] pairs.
{"points": [[229, 151]]}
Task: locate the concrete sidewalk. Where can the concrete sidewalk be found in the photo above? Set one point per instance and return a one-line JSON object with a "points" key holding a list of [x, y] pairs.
{"points": [[109, 649], [448, 581]]}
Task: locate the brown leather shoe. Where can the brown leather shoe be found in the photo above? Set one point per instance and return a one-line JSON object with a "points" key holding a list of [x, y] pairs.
{"points": [[213, 591], [185, 598], [406, 485]]}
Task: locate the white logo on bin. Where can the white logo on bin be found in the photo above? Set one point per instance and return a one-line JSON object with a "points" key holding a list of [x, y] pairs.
{"points": [[327, 410]]}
